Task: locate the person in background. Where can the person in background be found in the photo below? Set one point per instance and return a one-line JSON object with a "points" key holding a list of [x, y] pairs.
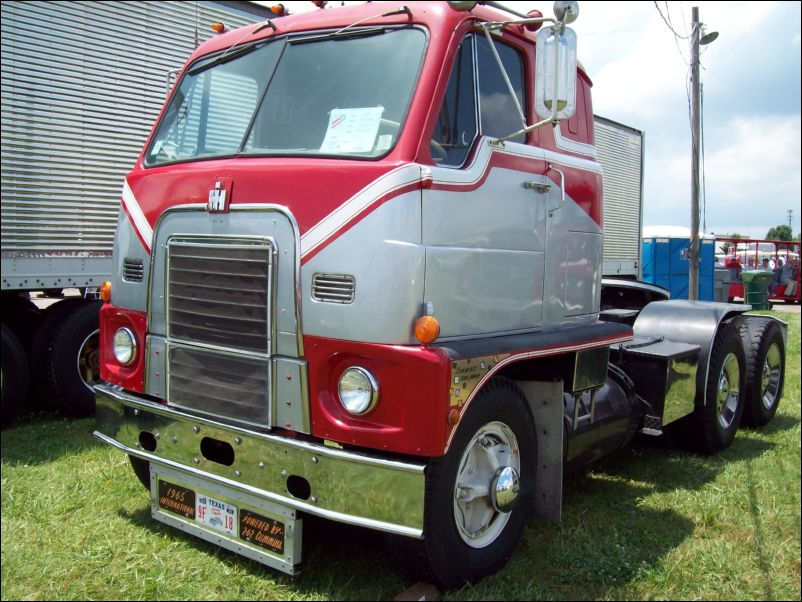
{"points": [[765, 267], [788, 277], [775, 282], [735, 268]]}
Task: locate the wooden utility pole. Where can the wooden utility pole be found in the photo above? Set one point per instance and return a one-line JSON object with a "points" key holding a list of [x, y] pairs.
{"points": [[693, 254]]}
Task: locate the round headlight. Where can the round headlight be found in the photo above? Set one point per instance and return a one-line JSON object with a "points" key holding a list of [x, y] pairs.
{"points": [[358, 390], [124, 346]]}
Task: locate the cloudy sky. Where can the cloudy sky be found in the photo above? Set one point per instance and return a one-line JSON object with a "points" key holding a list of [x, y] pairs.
{"points": [[751, 79]]}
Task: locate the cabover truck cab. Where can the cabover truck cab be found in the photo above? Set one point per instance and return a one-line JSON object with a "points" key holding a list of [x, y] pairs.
{"points": [[357, 275]]}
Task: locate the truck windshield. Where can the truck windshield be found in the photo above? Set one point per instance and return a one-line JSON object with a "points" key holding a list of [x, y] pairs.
{"points": [[325, 96]]}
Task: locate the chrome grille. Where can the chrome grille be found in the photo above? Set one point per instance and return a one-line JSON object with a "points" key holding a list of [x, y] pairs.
{"points": [[333, 288], [133, 270], [220, 384], [218, 293]]}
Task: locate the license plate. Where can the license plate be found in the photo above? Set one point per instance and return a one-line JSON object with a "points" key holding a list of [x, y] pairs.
{"points": [[216, 514], [221, 516]]}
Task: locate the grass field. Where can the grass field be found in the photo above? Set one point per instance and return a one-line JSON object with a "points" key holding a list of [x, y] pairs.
{"points": [[648, 523]]}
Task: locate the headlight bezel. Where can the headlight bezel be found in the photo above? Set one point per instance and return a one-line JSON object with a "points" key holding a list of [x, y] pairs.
{"points": [[359, 400]]}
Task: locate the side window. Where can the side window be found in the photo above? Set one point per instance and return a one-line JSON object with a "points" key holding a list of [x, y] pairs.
{"points": [[498, 113], [456, 129]]}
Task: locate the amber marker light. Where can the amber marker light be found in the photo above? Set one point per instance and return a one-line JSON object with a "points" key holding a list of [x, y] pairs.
{"points": [[218, 27], [427, 329], [105, 292], [453, 417]]}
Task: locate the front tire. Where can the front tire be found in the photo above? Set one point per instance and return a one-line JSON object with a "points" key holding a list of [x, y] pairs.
{"points": [[479, 495]]}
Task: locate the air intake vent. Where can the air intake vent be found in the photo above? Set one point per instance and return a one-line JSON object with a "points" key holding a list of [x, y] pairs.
{"points": [[133, 270], [333, 288]]}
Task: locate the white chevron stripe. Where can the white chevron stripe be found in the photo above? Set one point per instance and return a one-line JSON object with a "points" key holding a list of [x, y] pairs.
{"points": [[135, 211], [332, 223]]}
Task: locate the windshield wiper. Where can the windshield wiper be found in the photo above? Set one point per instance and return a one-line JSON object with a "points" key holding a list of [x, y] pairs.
{"points": [[230, 53], [348, 31], [224, 58]]}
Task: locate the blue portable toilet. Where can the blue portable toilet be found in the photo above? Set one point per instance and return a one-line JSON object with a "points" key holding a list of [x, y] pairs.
{"points": [[665, 261]]}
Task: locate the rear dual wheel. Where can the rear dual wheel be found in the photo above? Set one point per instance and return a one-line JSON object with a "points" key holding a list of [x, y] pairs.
{"points": [[716, 417], [765, 373]]}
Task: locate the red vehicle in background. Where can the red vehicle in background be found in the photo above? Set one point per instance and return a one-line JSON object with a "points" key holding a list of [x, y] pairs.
{"points": [[738, 254]]}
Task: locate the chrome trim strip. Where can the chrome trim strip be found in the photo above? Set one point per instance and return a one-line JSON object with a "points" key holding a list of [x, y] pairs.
{"points": [[527, 355], [573, 146]]}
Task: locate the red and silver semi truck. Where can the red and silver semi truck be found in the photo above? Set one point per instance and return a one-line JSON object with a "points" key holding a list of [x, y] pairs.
{"points": [[357, 275]]}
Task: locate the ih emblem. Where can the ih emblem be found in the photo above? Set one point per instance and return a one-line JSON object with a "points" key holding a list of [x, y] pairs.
{"points": [[219, 196]]}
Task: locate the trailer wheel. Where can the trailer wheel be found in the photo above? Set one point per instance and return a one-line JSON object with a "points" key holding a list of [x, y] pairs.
{"points": [[13, 375], [68, 357], [716, 422], [479, 495], [765, 374], [141, 469]]}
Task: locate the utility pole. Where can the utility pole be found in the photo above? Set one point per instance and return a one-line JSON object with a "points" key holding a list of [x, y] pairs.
{"points": [[696, 117], [693, 255]]}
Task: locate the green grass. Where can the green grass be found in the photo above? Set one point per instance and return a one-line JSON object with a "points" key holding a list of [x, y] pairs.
{"points": [[647, 523]]}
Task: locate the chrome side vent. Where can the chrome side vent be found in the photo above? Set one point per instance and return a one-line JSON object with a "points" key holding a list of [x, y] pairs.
{"points": [[133, 270], [333, 288]]}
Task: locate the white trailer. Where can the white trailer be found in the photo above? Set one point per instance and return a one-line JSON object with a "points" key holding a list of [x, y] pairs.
{"points": [[82, 83]]}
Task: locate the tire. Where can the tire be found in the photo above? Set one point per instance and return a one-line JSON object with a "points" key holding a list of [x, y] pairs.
{"points": [[67, 357], [21, 316], [141, 469], [765, 374], [14, 376], [468, 539], [714, 424]]}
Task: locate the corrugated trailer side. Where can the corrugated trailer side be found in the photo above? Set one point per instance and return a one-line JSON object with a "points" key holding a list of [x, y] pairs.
{"points": [[82, 83], [620, 150]]}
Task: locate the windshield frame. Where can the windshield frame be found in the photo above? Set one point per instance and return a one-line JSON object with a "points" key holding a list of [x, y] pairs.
{"points": [[308, 37]]}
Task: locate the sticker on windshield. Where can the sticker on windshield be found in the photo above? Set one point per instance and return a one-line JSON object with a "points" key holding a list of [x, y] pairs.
{"points": [[352, 130], [385, 142]]}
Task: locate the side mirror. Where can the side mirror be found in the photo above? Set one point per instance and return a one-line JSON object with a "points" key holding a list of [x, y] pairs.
{"points": [[555, 73]]}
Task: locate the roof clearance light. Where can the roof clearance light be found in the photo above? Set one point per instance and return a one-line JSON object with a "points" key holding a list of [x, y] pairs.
{"points": [[320, 3], [534, 14], [427, 329], [218, 27], [278, 10]]}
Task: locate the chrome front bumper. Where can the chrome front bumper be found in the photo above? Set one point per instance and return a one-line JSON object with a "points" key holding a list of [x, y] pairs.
{"points": [[348, 487]]}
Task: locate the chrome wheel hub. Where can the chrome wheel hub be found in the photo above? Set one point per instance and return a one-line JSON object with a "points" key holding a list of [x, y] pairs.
{"points": [[487, 484], [89, 360], [772, 373], [728, 391]]}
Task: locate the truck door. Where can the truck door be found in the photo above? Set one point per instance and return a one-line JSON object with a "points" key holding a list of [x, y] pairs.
{"points": [[483, 229]]}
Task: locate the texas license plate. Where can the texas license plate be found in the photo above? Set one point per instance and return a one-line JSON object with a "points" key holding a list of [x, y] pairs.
{"points": [[221, 516]]}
